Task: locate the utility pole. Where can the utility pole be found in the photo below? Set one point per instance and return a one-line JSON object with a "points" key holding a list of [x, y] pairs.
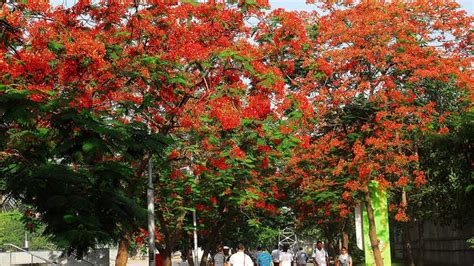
{"points": [[27, 246], [151, 214], [196, 255], [195, 252]]}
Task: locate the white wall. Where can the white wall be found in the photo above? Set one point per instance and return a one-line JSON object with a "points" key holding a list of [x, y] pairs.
{"points": [[99, 257]]}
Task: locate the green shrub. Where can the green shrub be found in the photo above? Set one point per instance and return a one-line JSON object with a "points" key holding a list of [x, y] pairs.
{"points": [[12, 231]]}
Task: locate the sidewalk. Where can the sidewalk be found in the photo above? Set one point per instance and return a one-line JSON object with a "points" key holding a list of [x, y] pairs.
{"points": [[137, 262]]}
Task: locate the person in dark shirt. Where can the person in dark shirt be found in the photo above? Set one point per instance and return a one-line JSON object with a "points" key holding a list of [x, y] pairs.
{"points": [[301, 258]]}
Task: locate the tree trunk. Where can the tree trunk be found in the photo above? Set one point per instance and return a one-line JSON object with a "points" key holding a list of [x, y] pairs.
{"points": [[190, 256], [166, 260], [421, 243], [345, 239], [122, 254], [329, 246], [374, 242], [408, 246], [204, 258], [406, 232], [213, 237], [166, 257]]}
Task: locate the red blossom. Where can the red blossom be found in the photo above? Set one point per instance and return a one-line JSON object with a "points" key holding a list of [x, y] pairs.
{"points": [[264, 148], [238, 153], [173, 155], [258, 107], [213, 200], [188, 190], [220, 163], [265, 162]]}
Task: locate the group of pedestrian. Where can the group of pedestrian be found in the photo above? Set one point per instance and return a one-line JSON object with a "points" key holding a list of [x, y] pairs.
{"points": [[279, 257], [321, 257]]}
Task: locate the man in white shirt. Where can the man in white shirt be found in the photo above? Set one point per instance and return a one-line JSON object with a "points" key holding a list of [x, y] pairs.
{"points": [[240, 258], [320, 256], [276, 256], [285, 257]]}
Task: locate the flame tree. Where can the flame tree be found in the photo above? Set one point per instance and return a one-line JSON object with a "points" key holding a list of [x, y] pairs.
{"points": [[92, 92], [370, 78]]}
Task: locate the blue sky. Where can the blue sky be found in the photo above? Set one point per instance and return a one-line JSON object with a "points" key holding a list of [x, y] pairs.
{"points": [[300, 4], [468, 5], [290, 4]]}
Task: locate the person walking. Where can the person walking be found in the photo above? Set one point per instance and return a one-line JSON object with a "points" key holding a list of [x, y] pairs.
{"points": [[240, 258], [227, 254], [219, 257], [320, 256], [257, 253], [285, 257], [301, 257], [344, 259], [276, 256], [184, 259], [264, 258]]}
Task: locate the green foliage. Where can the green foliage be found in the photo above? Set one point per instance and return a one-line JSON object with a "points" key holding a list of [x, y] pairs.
{"points": [[12, 231], [69, 171], [471, 242], [447, 159]]}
